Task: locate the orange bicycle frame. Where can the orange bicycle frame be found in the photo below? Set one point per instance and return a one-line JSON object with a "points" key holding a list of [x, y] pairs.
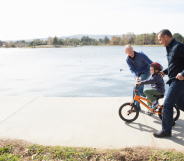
{"points": [[138, 98]]}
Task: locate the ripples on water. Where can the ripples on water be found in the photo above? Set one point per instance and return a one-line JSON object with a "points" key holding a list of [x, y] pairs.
{"points": [[70, 72]]}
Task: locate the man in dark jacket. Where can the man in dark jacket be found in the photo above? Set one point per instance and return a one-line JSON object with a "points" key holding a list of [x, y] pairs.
{"points": [[175, 72]]}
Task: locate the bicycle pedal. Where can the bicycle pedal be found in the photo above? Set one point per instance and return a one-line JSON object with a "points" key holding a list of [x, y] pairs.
{"points": [[150, 113]]}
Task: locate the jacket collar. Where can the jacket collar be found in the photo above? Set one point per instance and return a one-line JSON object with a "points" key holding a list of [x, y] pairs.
{"points": [[133, 57], [171, 43]]}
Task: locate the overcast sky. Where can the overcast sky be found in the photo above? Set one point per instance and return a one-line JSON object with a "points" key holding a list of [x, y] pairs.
{"points": [[22, 19]]}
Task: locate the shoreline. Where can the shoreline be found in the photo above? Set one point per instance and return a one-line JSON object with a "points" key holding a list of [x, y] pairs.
{"points": [[51, 46]]}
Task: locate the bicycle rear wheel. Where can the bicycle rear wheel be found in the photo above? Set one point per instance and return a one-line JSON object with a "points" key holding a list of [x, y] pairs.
{"points": [[126, 115], [176, 113]]}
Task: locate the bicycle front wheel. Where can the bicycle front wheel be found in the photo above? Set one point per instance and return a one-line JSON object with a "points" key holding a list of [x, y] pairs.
{"points": [[176, 113], [126, 115]]}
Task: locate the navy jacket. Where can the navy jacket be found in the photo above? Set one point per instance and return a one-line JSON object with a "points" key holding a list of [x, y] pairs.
{"points": [[175, 57], [139, 64]]}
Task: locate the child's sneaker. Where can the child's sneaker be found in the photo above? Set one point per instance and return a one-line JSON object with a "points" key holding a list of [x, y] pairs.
{"points": [[154, 104], [153, 107], [149, 112]]}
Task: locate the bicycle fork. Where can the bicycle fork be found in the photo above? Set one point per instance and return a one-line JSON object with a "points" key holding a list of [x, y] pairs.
{"points": [[132, 107]]}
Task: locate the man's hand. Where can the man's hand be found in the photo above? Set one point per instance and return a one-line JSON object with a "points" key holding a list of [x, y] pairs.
{"points": [[137, 84], [137, 79], [179, 76], [162, 74]]}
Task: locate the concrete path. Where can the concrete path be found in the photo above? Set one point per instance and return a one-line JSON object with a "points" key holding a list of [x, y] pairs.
{"points": [[82, 122]]}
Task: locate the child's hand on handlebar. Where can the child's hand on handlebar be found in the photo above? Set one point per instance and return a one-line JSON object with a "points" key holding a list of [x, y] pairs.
{"points": [[137, 84], [137, 79]]}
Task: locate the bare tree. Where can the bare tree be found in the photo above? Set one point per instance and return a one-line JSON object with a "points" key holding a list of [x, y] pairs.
{"points": [[49, 41]]}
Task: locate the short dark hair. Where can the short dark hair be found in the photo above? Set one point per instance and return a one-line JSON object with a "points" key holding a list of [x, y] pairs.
{"points": [[165, 32]]}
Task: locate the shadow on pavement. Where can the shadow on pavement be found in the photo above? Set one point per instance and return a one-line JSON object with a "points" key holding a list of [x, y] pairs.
{"points": [[177, 130]]}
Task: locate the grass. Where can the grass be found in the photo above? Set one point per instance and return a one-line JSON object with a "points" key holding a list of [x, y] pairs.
{"points": [[22, 151]]}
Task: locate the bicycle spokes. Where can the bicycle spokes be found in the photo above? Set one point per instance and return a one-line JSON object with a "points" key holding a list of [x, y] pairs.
{"points": [[128, 112]]}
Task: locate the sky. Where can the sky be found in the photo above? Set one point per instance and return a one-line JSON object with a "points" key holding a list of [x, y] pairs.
{"points": [[21, 19]]}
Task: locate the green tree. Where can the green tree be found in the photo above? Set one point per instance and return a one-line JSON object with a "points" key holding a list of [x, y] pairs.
{"points": [[75, 41], [106, 40], [183, 40], [61, 42], [86, 40], [139, 40], [22, 41], [96, 43], [13, 46], [31, 43], [152, 37], [101, 40], [55, 41], [37, 42], [178, 37]]}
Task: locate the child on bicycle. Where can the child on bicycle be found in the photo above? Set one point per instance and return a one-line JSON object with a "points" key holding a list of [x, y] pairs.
{"points": [[157, 84]]}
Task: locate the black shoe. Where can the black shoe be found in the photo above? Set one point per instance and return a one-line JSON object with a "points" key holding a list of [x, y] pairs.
{"points": [[161, 134]]}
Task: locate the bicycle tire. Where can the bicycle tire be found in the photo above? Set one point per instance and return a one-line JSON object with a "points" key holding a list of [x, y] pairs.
{"points": [[136, 112], [177, 113]]}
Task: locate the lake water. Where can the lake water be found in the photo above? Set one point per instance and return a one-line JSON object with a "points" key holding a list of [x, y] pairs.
{"points": [[70, 72]]}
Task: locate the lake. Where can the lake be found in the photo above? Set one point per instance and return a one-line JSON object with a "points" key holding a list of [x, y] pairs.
{"points": [[70, 72]]}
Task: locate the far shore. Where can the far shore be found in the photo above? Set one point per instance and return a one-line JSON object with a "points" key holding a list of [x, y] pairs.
{"points": [[62, 46]]}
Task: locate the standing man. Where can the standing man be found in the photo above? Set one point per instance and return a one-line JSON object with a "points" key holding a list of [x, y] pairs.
{"points": [[138, 63], [175, 72]]}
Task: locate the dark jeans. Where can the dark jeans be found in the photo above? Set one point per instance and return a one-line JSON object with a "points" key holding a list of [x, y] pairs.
{"points": [[140, 88], [174, 96]]}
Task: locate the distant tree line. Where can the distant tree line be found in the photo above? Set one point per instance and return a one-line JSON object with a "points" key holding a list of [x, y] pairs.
{"points": [[85, 40], [143, 39], [20, 43], [129, 38]]}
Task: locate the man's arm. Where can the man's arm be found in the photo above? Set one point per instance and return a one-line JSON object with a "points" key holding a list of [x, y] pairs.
{"points": [[162, 74], [165, 71], [180, 52], [132, 68]]}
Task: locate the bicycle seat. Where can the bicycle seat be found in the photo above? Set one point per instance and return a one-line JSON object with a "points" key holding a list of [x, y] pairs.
{"points": [[158, 96]]}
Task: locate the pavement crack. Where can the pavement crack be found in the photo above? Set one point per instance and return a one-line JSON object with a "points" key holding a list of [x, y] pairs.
{"points": [[150, 131], [18, 110]]}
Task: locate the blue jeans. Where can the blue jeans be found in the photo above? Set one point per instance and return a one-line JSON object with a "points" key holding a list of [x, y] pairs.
{"points": [[175, 96], [140, 88]]}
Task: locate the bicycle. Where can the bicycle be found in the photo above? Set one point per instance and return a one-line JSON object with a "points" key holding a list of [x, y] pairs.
{"points": [[131, 111]]}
